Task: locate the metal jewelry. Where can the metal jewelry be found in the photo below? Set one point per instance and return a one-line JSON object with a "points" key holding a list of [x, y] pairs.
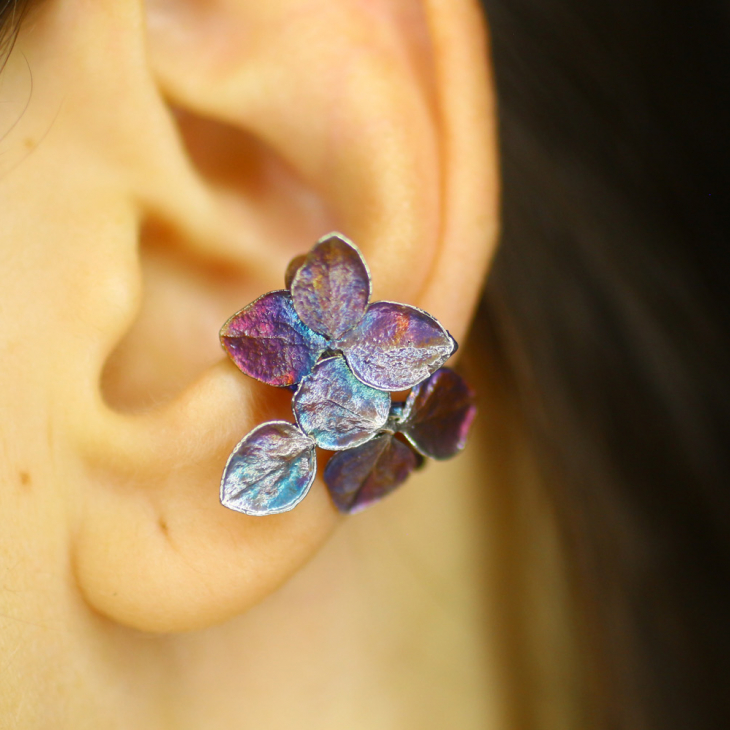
{"points": [[342, 356]]}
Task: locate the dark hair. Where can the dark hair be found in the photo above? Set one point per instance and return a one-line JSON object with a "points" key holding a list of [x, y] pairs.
{"points": [[610, 301], [12, 13]]}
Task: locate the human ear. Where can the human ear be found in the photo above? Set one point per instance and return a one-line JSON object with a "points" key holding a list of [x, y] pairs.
{"points": [[375, 119]]}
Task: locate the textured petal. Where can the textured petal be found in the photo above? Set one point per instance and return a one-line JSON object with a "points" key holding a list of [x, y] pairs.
{"points": [[438, 414], [360, 476], [331, 289], [270, 471], [336, 409], [269, 342], [396, 346]]}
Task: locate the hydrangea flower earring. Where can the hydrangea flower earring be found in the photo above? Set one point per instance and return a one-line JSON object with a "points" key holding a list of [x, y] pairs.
{"points": [[342, 356]]}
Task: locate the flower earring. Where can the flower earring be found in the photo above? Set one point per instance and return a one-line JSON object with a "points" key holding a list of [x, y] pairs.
{"points": [[342, 356]]}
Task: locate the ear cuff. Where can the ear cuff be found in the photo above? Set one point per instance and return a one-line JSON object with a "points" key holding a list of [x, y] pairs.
{"points": [[342, 356]]}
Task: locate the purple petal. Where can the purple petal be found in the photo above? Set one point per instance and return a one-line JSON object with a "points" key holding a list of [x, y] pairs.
{"points": [[358, 477], [331, 289], [270, 471], [396, 346], [336, 409], [269, 342], [438, 414]]}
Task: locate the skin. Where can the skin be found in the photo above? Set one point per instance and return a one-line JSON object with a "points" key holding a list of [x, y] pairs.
{"points": [[159, 165]]}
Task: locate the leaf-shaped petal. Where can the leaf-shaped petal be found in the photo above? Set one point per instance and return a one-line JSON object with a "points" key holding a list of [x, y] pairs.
{"points": [[438, 414], [331, 289], [270, 471], [363, 475], [396, 346], [269, 342], [336, 409]]}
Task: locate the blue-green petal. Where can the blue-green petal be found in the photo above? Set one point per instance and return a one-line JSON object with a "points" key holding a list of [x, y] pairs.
{"points": [[270, 470]]}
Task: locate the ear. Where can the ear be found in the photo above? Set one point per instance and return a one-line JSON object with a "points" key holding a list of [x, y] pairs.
{"points": [[288, 119]]}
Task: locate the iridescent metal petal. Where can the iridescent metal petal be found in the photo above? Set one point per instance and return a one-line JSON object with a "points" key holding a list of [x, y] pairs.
{"points": [[336, 409], [396, 346], [331, 289], [438, 414], [269, 342], [363, 475], [270, 471]]}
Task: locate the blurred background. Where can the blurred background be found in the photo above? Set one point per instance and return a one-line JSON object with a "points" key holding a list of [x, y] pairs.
{"points": [[608, 311]]}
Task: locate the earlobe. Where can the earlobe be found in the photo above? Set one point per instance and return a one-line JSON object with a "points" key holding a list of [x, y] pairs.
{"points": [[368, 123], [154, 548]]}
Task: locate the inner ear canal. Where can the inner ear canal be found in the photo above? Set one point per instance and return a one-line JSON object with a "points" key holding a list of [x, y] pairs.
{"points": [[185, 301], [255, 185]]}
